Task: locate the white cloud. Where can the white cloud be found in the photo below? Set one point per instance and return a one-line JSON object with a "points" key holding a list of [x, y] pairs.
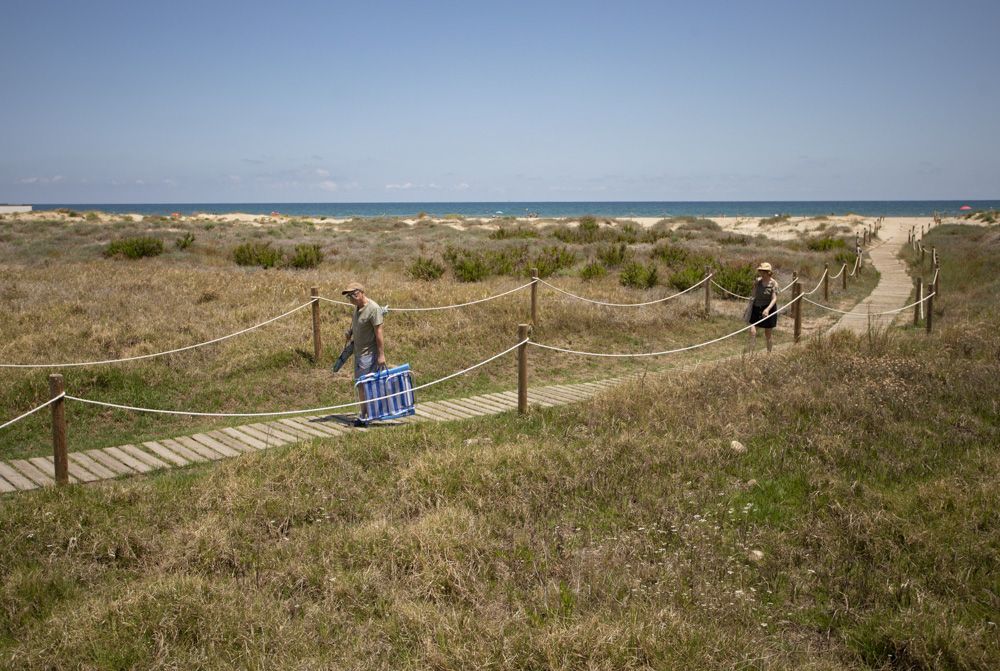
{"points": [[328, 185], [55, 179], [404, 186], [320, 172]]}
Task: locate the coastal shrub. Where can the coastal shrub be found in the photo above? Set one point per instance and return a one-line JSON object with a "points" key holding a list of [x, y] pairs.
{"points": [[593, 271], [588, 227], [135, 248], [826, 244], [552, 259], [744, 240], [638, 275], [737, 278], [68, 212], [306, 256], [470, 268], [776, 219], [699, 224], [687, 277], [257, 254], [425, 269], [672, 255], [184, 241], [92, 216], [847, 257], [505, 233], [614, 255]]}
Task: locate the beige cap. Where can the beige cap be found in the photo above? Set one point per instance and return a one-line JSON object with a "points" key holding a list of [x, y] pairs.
{"points": [[353, 286], [764, 266]]}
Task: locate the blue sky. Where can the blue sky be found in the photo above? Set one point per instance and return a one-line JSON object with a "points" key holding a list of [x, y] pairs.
{"points": [[464, 101]]}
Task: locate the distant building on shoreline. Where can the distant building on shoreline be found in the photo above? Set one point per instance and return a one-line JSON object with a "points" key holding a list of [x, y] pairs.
{"points": [[14, 209]]}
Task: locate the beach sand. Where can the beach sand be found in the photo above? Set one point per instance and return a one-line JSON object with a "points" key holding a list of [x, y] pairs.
{"points": [[782, 229]]}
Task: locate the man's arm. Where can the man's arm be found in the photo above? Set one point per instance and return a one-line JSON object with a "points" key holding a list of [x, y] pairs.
{"points": [[380, 345]]}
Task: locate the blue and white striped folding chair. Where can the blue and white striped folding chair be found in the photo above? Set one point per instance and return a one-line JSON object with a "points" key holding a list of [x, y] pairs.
{"points": [[389, 393]]}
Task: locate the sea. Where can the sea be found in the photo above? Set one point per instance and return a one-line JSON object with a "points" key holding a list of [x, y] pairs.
{"points": [[620, 209]]}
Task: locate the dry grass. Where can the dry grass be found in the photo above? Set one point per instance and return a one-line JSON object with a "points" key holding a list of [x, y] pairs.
{"points": [[68, 303], [858, 530]]}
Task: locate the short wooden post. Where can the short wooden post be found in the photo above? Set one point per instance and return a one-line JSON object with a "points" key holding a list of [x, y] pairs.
{"points": [[708, 291], [534, 297], [843, 277], [522, 370], [317, 341], [919, 293], [797, 310], [930, 311], [921, 253], [826, 282], [857, 241], [57, 387]]}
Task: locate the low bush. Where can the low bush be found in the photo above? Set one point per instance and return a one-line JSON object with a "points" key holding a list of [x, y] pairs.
{"points": [[614, 255], [68, 212], [257, 254], [672, 255], [737, 278], [135, 248], [699, 224], [552, 259], [92, 216], [593, 271], [505, 233], [687, 277], [776, 219], [306, 256], [826, 244], [184, 241], [425, 269], [845, 257], [470, 268], [638, 275], [744, 240]]}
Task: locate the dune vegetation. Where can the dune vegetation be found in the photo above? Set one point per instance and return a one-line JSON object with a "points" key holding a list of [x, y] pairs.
{"points": [[854, 523]]}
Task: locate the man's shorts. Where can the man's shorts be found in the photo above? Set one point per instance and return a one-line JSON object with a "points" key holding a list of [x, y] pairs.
{"points": [[364, 364]]}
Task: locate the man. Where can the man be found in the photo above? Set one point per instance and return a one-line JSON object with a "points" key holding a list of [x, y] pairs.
{"points": [[366, 332]]}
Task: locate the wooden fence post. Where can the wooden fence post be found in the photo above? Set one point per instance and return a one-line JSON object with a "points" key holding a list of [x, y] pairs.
{"points": [[826, 282], [919, 293], [797, 309], [708, 291], [317, 342], [930, 312], [921, 253], [56, 387], [843, 277], [534, 297], [522, 370]]}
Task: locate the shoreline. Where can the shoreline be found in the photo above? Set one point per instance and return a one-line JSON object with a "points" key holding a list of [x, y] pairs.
{"points": [[782, 227]]}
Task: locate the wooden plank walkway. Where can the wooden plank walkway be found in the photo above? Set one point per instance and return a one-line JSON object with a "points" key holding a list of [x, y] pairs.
{"points": [[894, 286], [16, 475], [113, 462]]}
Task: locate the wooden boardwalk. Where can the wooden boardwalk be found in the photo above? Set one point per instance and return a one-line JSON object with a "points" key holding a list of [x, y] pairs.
{"points": [[112, 462], [894, 285], [892, 292]]}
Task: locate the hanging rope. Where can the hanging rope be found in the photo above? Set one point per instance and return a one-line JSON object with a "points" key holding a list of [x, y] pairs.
{"points": [[665, 352], [341, 406], [626, 305], [43, 405], [151, 356]]}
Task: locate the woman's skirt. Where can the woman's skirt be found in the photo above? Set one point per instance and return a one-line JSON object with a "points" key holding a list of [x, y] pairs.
{"points": [[757, 313]]}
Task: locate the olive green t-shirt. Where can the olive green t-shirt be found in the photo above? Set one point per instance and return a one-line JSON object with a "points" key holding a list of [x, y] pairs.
{"points": [[763, 292], [363, 327]]}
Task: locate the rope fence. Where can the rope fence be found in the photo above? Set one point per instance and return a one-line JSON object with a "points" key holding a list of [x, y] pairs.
{"points": [[59, 396]]}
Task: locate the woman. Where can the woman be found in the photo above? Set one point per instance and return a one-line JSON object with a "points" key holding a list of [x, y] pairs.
{"points": [[763, 302]]}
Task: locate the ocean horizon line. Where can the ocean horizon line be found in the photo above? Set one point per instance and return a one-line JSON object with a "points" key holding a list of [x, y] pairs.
{"points": [[608, 208]]}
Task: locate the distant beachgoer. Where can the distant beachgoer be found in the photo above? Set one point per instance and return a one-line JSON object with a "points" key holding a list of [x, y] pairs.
{"points": [[366, 332], [763, 302]]}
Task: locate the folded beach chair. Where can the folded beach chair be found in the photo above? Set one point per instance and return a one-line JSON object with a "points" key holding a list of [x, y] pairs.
{"points": [[389, 393]]}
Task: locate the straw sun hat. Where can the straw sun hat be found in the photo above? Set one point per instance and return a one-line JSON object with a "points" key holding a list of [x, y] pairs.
{"points": [[764, 266]]}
